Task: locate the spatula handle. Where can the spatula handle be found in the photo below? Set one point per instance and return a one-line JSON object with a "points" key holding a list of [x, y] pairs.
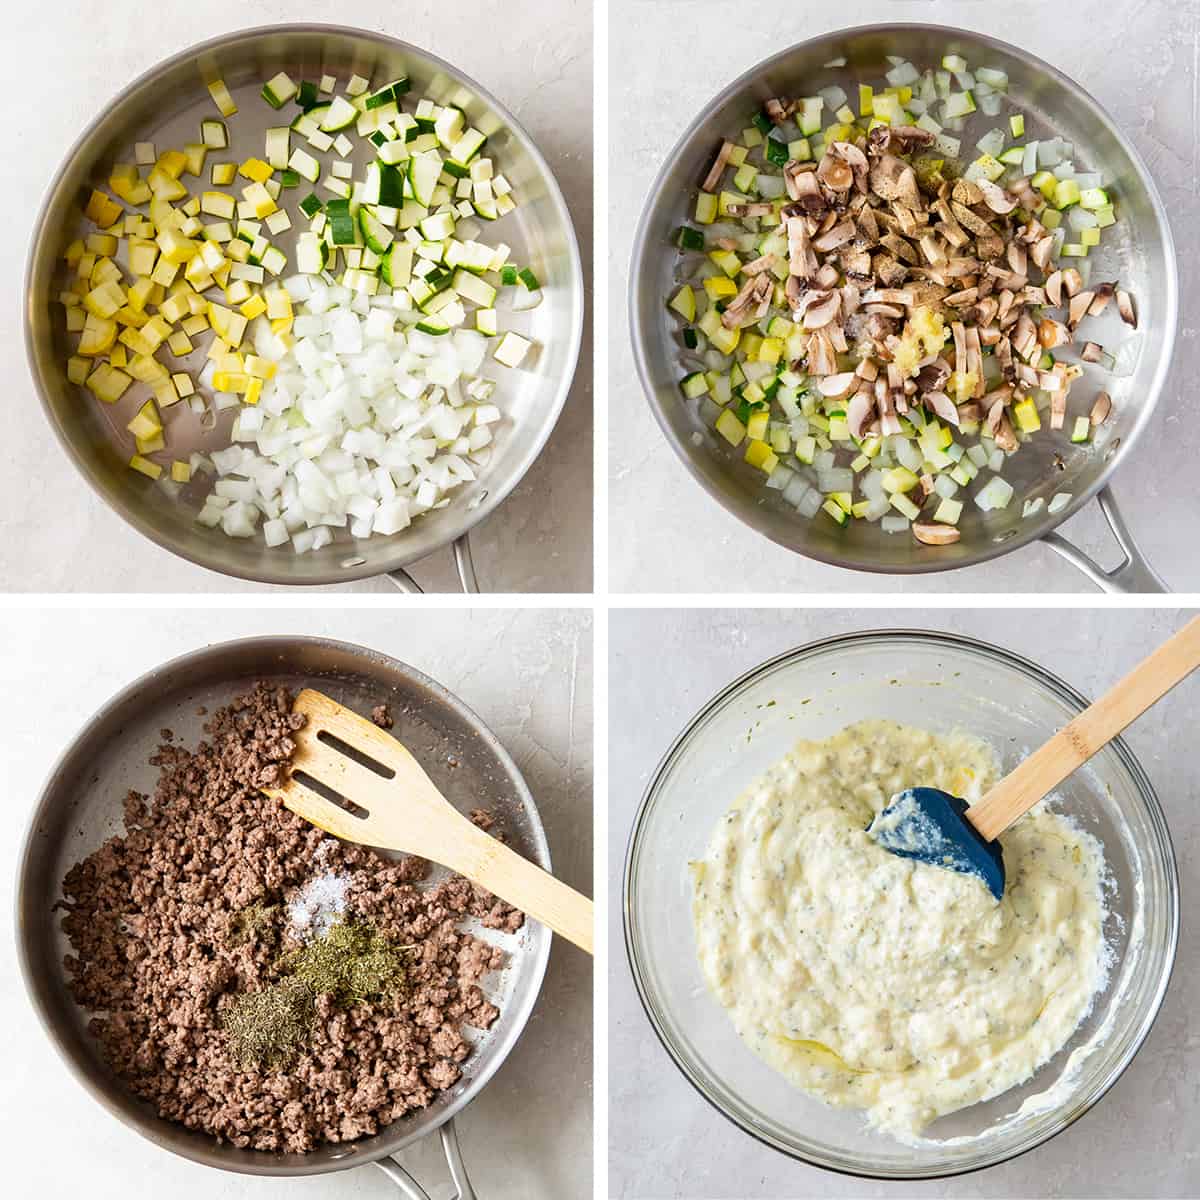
{"points": [[1093, 729], [524, 884]]}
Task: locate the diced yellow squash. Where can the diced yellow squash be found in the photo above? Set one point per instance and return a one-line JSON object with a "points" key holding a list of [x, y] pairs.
{"points": [[224, 173], [143, 255], [260, 368], [221, 98], [771, 350], [253, 391], [74, 252], [254, 307], [195, 153], [256, 170], [684, 303], [78, 369], [1026, 415], [102, 243], [237, 292], [145, 466], [175, 247], [180, 344], [730, 428], [165, 186], [719, 287], [218, 204], [260, 200], [172, 163], [104, 271], [138, 344], [181, 472], [174, 309], [75, 319], [108, 384], [103, 301], [102, 210], [183, 384], [155, 332], [197, 323], [139, 294], [98, 336], [146, 423], [760, 455], [279, 303], [145, 368], [756, 426], [130, 317], [117, 356]]}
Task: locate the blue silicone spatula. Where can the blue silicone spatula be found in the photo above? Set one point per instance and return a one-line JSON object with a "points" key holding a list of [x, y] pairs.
{"points": [[934, 827]]}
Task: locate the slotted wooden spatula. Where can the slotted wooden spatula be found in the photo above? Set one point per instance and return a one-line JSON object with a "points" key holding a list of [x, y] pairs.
{"points": [[391, 803]]}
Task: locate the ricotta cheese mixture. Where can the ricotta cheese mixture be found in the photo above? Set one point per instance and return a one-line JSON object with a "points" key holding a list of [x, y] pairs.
{"points": [[876, 982]]}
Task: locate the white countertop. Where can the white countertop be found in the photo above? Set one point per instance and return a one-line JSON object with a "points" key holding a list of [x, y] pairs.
{"points": [[668, 1142], [57, 535], [528, 675], [1139, 60]]}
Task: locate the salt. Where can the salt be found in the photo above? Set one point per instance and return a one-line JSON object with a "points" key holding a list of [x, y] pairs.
{"points": [[319, 905]]}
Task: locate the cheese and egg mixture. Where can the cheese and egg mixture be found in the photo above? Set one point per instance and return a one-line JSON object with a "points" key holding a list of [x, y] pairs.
{"points": [[875, 982]]}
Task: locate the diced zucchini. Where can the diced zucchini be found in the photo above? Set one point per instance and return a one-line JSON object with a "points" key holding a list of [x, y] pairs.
{"points": [[279, 89]]}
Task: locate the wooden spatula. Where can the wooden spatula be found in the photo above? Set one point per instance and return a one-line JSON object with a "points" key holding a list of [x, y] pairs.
{"points": [[392, 804], [932, 826]]}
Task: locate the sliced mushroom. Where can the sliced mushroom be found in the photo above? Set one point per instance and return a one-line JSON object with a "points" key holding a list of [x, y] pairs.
{"points": [[996, 198], [802, 187], [1101, 407], [1040, 252], [1052, 333], [750, 304], [834, 173], [821, 357], [904, 139], [822, 310], [1077, 309], [860, 410], [834, 386], [1092, 352], [943, 406], [1072, 281], [966, 192], [935, 534], [1126, 309], [893, 179], [718, 168], [856, 160], [1054, 287], [802, 261], [755, 209], [763, 263], [839, 235]]}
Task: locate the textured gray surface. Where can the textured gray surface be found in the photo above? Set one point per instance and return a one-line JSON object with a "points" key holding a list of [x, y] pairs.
{"points": [[1138, 57], [528, 674], [535, 56], [667, 1141]]}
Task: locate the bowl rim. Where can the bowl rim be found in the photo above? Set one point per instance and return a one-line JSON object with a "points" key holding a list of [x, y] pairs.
{"points": [[469, 519], [815, 649], [1030, 531]]}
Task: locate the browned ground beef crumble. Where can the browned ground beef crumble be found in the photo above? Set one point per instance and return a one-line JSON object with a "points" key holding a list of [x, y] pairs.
{"points": [[151, 919]]}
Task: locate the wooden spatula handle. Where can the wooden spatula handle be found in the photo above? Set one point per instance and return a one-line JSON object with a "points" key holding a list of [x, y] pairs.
{"points": [[529, 888], [1093, 729]]}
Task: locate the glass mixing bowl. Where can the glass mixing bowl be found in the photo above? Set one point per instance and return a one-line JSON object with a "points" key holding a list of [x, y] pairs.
{"points": [[941, 682]]}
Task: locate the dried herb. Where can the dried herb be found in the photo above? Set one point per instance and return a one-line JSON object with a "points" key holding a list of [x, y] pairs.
{"points": [[256, 923], [265, 1027], [353, 963]]}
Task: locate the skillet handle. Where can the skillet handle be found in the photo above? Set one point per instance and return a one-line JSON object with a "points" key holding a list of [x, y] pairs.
{"points": [[462, 560], [1133, 574], [412, 1190]]}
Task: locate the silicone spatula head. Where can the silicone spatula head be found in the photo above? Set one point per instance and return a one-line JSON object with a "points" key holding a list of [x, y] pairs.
{"points": [[931, 826]]}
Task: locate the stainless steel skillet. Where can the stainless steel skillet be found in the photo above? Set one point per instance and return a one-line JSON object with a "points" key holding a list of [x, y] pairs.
{"points": [[81, 805], [1141, 254], [165, 106]]}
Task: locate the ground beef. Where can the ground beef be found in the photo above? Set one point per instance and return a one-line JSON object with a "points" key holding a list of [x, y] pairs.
{"points": [[152, 918], [382, 716]]}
